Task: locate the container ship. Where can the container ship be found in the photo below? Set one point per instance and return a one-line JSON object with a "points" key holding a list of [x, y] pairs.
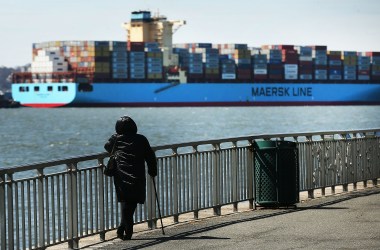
{"points": [[148, 70]]}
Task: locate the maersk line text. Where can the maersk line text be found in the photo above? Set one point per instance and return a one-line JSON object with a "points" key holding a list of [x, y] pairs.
{"points": [[281, 91]]}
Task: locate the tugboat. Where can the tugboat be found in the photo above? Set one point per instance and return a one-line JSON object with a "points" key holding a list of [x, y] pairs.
{"points": [[7, 102]]}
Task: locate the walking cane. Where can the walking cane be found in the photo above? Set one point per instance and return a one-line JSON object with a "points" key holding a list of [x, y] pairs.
{"points": [[158, 204]]}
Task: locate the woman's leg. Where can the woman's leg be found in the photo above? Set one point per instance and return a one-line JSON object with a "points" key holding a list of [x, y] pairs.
{"points": [[129, 211], [123, 221]]}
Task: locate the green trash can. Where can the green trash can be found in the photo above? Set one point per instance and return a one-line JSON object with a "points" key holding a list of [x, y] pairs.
{"points": [[276, 173]]}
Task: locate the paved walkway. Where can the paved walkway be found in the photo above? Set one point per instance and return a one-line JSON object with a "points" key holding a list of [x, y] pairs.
{"points": [[345, 221]]}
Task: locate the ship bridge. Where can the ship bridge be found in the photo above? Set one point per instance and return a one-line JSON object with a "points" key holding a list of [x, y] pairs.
{"points": [[144, 27]]}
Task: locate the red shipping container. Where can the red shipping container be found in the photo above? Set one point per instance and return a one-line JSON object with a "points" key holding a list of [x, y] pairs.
{"points": [[286, 47], [291, 57], [305, 71], [275, 77], [292, 51], [260, 77], [373, 53], [291, 60], [275, 66], [136, 46], [306, 64]]}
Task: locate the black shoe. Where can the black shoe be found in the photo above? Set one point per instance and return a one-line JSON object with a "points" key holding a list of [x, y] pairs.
{"points": [[120, 232], [127, 237]]}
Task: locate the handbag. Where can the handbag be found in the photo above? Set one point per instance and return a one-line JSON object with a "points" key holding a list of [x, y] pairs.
{"points": [[110, 168]]}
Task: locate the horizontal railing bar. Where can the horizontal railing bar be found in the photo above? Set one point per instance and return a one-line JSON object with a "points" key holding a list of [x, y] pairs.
{"points": [[260, 136], [53, 163], [32, 166]]}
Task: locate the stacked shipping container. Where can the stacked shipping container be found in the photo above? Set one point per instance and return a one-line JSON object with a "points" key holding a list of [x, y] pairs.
{"points": [[375, 72], [335, 65], [48, 61], [137, 61], [260, 70], [205, 62], [212, 64], [364, 67], [349, 65], [290, 58], [320, 63], [119, 61], [275, 64], [242, 56], [102, 60], [305, 63], [154, 61]]}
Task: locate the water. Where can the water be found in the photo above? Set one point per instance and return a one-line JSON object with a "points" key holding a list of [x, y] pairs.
{"points": [[33, 135]]}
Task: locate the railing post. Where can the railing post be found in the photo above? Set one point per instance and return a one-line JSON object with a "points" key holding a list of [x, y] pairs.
{"points": [[41, 217], [102, 233], [310, 161], [196, 179], [250, 176], [10, 218], [73, 240], [235, 166], [175, 184], [3, 218], [216, 180], [324, 161]]}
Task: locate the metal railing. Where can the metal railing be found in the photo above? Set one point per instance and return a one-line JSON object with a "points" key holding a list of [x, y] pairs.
{"points": [[49, 203]]}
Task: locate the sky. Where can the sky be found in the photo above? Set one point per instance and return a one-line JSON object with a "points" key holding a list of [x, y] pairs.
{"points": [[346, 25]]}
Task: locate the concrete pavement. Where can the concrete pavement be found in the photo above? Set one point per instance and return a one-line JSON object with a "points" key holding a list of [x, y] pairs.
{"points": [[345, 221]]}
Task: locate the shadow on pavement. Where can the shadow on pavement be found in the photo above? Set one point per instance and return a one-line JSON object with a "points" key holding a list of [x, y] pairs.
{"points": [[187, 235]]}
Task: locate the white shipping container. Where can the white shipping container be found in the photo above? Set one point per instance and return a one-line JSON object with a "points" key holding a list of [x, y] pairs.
{"points": [[291, 72], [228, 76], [49, 67], [291, 76], [260, 71], [291, 66], [224, 51], [291, 69], [48, 58], [47, 52], [199, 50], [306, 58]]}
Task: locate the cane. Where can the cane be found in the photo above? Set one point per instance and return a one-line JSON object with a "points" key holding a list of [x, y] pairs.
{"points": [[158, 204]]}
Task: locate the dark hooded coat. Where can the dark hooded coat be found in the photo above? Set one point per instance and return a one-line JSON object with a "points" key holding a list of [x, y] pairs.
{"points": [[132, 151]]}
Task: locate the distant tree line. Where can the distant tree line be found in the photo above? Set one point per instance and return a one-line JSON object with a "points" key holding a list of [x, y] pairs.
{"points": [[6, 76]]}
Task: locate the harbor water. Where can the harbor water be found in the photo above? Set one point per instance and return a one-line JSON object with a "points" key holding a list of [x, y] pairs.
{"points": [[30, 135]]}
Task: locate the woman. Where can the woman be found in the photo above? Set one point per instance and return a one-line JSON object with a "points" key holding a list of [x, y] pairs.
{"points": [[132, 151]]}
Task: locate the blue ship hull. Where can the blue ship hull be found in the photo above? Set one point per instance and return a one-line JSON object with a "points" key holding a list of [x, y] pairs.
{"points": [[199, 94]]}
